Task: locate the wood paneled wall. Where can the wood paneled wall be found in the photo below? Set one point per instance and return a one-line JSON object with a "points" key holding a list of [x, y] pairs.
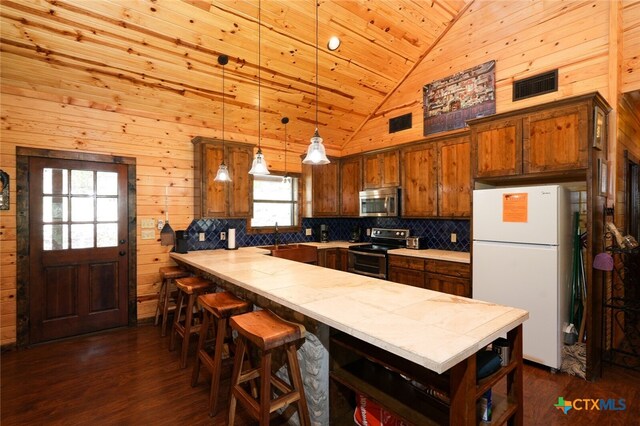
{"points": [[631, 45], [164, 156], [524, 39], [628, 140]]}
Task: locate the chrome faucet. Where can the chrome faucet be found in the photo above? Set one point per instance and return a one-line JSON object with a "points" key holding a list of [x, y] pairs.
{"points": [[277, 236]]}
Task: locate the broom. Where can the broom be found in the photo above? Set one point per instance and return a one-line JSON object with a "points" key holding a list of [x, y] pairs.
{"points": [[167, 236]]}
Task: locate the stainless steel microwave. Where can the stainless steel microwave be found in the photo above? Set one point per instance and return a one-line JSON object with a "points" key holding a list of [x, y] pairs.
{"points": [[379, 202]]}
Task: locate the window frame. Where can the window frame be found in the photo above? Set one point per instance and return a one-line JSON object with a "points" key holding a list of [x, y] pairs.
{"points": [[271, 229]]}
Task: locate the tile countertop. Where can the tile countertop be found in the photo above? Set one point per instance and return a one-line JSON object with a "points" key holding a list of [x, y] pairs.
{"points": [[451, 256], [332, 244], [433, 329], [448, 255]]}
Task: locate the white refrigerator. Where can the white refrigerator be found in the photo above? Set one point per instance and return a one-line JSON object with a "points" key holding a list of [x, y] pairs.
{"points": [[522, 254]]}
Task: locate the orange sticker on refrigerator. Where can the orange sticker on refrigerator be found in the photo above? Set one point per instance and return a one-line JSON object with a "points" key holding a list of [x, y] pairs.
{"points": [[514, 207]]}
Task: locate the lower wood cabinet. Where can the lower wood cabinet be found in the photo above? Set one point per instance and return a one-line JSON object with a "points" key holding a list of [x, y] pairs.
{"points": [[439, 275], [333, 258]]}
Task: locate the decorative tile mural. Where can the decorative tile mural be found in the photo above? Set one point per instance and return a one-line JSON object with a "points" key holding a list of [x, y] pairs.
{"points": [[436, 231]]}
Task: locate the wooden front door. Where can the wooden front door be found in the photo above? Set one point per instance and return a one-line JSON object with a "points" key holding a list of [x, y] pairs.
{"points": [[77, 247]]}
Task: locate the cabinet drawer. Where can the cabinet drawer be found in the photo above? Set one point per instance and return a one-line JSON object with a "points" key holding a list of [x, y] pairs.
{"points": [[406, 262], [454, 269]]}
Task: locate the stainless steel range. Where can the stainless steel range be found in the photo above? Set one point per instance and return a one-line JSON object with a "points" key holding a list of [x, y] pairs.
{"points": [[371, 259]]}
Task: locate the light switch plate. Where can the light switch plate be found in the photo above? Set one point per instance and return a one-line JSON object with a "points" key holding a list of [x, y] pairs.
{"points": [[454, 238], [200, 236], [148, 234], [308, 232], [146, 223]]}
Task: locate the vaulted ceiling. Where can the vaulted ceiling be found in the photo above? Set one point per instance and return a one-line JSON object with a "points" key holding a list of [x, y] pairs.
{"points": [[158, 58]]}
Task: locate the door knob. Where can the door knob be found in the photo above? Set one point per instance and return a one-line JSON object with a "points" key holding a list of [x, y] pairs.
{"points": [[122, 252], [122, 241]]}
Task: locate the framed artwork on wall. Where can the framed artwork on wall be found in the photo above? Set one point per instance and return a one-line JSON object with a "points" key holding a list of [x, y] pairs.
{"points": [[451, 101], [599, 128]]}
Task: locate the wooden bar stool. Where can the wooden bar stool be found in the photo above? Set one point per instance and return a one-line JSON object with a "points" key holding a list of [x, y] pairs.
{"points": [[189, 289], [267, 332], [217, 309], [167, 275]]}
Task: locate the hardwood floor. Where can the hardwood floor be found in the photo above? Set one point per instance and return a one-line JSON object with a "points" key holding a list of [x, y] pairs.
{"points": [[128, 376]]}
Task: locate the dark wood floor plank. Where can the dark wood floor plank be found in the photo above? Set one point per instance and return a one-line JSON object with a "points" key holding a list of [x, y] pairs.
{"points": [[129, 377]]}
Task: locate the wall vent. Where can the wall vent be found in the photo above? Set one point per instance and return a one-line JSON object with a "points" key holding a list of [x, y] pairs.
{"points": [[536, 85], [402, 122]]}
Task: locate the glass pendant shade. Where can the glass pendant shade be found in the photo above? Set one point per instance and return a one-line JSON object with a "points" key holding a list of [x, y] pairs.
{"points": [[259, 166], [223, 174], [316, 154]]}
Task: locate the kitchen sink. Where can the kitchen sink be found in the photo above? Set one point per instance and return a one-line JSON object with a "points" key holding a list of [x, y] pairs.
{"points": [[297, 252]]}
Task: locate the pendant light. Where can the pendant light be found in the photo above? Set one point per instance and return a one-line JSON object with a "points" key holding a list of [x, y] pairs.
{"points": [[259, 166], [316, 154], [223, 173], [286, 179]]}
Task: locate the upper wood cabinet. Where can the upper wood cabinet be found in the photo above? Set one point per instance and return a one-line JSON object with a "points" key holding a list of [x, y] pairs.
{"points": [[419, 181], [497, 147], [553, 139], [350, 185], [321, 186], [381, 169], [454, 177], [216, 199], [436, 178]]}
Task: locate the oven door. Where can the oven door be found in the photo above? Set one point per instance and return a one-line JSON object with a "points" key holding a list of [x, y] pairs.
{"points": [[367, 263]]}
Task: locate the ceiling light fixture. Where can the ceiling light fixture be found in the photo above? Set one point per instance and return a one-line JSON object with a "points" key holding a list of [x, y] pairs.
{"points": [[223, 173], [333, 43], [286, 179], [316, 154], [259, 166]]}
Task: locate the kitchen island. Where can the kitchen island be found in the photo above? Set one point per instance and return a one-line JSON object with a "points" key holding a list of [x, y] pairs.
{"points": [[435, 332]]}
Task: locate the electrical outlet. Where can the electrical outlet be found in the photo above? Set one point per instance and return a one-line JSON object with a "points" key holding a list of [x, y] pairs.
{"points": [[308, 232], [368, 232], [454, 238], [160, 224], [223, 236], [200, 236]]}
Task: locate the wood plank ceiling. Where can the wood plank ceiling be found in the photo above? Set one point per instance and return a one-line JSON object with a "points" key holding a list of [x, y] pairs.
{"points": [[158, 58]]}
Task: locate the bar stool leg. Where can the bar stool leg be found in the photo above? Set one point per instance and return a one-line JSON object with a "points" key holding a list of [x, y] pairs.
{"points": [[217, 366], [163, 286], [265, 388], [235, 378], [201, 344], [176, 321], [187, 330], [165, 308]]}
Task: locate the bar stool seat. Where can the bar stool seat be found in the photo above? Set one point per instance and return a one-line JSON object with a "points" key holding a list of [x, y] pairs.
{"points": [[165, 303], [189, 289], [217, 309], [267, 332]]}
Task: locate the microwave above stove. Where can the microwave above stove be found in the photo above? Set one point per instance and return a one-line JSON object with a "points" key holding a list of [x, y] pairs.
{"points": [[383, 202]]}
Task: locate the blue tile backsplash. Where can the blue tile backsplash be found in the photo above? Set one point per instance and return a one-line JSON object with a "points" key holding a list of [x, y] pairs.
{"points": [[436, 231]]}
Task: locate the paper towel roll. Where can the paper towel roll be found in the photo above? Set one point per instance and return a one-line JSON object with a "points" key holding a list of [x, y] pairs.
{"points": [[231, 238]]}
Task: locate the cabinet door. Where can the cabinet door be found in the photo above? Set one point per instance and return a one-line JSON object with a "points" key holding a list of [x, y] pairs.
{"points": [[343, 259], [328, 258], [419, 185], [448, 284], [240, 188], [556, 140], [497, 148], [407, 276], [350, 186], [215, 202], [381, 170], [325, 189], [454, 178]]}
